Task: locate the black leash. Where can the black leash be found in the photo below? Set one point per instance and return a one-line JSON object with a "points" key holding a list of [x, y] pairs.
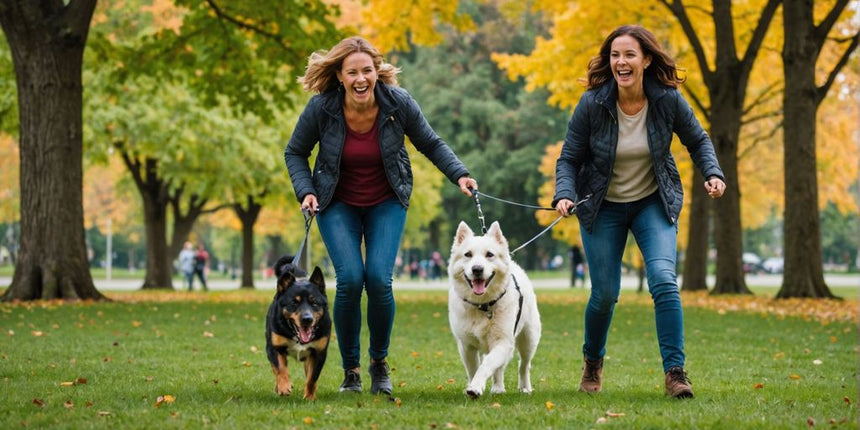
{"points": [[475, 194], [297, 260]]}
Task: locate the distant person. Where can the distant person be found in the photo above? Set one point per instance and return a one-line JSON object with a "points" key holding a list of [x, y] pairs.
{"points": [[617, 149], [201, 262], [186, 264], [361, 184], [577, 266]]}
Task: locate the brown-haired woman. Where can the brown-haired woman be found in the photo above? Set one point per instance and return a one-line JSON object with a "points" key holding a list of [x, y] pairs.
{"points": [[617, 151]]}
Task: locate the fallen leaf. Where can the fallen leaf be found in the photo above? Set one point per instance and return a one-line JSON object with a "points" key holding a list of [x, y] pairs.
{"points": [[136, 323], [759, 385], [81, 381], [208, 334], [104, 413], [549, 405], [398, 402], [795, 376], [68, 404], [164, 399], [11, 332], [496, 405], [246, 364], [402, 384], [833, 339], [810, 422], [38, 402], [614, 414], [308, 420], [254, 349], [602, 420], [817, 362], [450, 425], [37, 333], [414, 354], [450, 380], [67, 384], [846, 400]]}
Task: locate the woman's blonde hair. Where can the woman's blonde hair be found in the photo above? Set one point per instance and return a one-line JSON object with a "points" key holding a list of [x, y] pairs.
{"points": [[320, 75]]}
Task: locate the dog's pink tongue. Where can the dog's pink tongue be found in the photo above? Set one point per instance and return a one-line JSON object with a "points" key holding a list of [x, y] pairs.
{"points": [[305, 334], [479, 286]]}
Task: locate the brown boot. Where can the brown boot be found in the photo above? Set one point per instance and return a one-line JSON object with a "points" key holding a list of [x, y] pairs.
{"points": [[592, 376], [677, 383]]}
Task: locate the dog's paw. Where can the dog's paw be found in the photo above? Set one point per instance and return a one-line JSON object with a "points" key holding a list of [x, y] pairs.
{"points": [[284, 389], [474, 392], [310, 396], [526, 390], [495, 390]]}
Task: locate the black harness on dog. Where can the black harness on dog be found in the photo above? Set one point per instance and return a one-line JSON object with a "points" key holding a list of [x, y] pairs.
{"points": [[485, 307]]}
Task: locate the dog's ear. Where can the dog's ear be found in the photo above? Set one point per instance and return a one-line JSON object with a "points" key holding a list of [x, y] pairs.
{"points": [[317, 279], [284, 281], [495, 232], [463, 233]]}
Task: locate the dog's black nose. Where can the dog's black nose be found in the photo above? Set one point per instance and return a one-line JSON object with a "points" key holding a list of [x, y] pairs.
{"points": [[477, 270], [307, 318]]}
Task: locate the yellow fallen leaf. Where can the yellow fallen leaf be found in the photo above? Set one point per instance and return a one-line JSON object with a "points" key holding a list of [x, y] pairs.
{"points": [[308, 420], [614, 414], [602, 420], [67, 384], [450, 380], [414, 354], [104, 413], [136, 323], [795, 376], [549, 405], [208, 334], [37, 333], [496, 405]]}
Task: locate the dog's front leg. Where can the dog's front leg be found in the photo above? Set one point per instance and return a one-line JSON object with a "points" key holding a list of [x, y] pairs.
{"points": [[470, 358], [283, 385], [496, 359]]}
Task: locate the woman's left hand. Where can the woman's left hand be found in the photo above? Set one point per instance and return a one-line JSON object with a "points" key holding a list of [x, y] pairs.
{"points": [[467, 184], [715, 187]]}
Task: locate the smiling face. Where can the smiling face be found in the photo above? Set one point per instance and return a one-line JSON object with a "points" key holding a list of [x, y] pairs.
{"points": [[359, 76], [628, 62]]}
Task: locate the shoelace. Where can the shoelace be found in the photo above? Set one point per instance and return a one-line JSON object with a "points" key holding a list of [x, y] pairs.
{"points": [[678, 375], [591, 371]]}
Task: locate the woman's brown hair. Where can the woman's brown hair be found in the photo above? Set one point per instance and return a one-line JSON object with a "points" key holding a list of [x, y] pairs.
{"points": [[662, 65], [320, 75]]}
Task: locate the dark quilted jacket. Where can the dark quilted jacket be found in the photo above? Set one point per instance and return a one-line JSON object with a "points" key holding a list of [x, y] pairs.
{"points": [[585, 165], [399, 115]]}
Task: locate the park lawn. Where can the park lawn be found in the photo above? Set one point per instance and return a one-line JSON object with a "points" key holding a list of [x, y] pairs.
{"points": [[186, 360]]}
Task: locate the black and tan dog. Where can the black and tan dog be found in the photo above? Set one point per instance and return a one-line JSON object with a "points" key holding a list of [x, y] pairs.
{"points": [[298, 324]]}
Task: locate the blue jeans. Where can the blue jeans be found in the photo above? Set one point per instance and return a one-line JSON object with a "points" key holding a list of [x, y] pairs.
{"points": [[604, 247], [343, 227]]}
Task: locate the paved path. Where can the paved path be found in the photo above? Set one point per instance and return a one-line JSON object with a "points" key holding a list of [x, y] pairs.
{"points": [[627, 282]]}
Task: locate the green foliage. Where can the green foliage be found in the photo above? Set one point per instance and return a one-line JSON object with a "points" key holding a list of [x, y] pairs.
{"points": [[8, 90], [249, 51], [496, 127], [209, 355]]}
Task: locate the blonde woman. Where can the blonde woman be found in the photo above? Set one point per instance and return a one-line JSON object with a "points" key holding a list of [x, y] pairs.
{"points": [[360, 185]]}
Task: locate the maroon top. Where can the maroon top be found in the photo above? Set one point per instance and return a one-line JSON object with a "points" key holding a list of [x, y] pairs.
{"points": [[362, 175]]}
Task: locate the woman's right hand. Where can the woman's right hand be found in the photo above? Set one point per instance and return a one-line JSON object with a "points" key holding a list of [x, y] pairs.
{"points": [[564, 207], [310, 203]]}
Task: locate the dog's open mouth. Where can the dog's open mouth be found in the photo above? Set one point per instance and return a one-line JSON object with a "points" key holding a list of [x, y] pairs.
{"points": [[304, 334], [479, 285]]}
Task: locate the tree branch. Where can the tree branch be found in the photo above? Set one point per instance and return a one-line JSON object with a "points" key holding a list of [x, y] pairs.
{"points": [[824, 27], [759, 33], [677, 9], [706, 110], [764, 96], [831, 77], [760, 139], [256, 29]]}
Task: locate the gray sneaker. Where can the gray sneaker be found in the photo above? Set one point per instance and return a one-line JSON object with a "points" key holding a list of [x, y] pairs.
{"points": [[379, 380], [351, 382]]}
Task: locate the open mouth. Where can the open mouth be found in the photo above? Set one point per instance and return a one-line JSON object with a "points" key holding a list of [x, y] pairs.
{"points": [[479, 286], [361, 90], [304, 334], [625, 73]]}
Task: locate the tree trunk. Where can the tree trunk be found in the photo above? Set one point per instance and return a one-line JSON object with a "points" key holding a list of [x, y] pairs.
{"points": [[153, 192], [696, 257], [803, 276], [726, 124], [47, 41], [248, 216]]}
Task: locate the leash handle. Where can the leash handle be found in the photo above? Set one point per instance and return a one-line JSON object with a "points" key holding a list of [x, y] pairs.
{"points": [[480, 211], [309, 217]]}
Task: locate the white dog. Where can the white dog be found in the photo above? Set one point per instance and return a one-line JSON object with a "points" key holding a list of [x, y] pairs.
{"points": [[492, 309]]}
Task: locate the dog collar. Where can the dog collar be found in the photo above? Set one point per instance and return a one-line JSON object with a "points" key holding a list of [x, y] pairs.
{"points": [[485, 307]]}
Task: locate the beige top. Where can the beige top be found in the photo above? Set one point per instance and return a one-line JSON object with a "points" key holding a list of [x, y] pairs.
{"points": [[632, 175]]}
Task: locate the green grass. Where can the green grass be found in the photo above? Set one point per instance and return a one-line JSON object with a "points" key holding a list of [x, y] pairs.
{"points": [[132, 353]]}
